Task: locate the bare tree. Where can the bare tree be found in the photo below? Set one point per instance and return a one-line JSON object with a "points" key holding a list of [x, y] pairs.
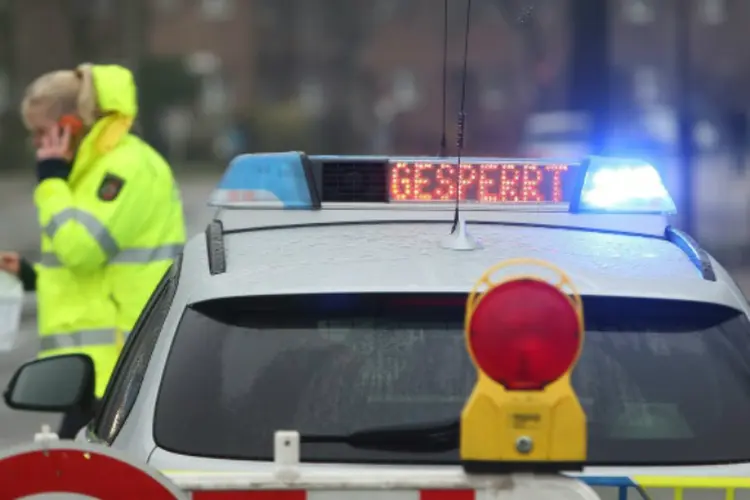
{"points": [[347, 23], [78, 19], [8, 46], [134, 18]]}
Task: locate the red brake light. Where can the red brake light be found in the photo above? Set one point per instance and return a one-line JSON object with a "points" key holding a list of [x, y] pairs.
{"points": [[524, 334]]}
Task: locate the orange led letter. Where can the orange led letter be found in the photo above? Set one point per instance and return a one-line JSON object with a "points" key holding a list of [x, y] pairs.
{"points": [[487, 179], [401, 184], [510, 178], [446, 184], [420, 181], [557, 170], [468, 177], [532, 177]]}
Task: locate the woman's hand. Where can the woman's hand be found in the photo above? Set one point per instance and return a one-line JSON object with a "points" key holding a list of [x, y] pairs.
{"points": [[55, 145], [10, 262]]}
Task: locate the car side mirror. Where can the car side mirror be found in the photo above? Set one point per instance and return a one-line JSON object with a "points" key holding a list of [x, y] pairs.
{"points": [[52, 384]]}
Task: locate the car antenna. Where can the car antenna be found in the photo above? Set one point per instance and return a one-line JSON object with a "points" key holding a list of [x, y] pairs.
{"points": [[443, 137], [459, 238]]}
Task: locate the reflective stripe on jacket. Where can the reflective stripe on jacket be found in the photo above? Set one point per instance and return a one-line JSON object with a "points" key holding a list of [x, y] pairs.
{"points": [[108, 234]]}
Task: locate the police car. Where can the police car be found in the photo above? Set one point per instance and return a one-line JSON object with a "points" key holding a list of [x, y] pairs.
{"points": [[329, 296]]}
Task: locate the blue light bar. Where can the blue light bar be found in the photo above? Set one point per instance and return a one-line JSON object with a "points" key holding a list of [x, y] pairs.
{"points": [[264, 180], [614, 185]]}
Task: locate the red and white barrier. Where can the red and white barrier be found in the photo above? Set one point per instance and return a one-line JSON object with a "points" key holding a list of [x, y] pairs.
{"points": [[387, 486], [52, 466]]}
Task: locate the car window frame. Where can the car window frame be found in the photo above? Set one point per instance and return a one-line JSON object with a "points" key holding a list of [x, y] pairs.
{"points": [[142, 340]]}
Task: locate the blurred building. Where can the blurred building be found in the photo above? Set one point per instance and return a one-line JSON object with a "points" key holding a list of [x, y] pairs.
{"points": [[644, 55], [404, 61], [644, 44], [358, 75]]}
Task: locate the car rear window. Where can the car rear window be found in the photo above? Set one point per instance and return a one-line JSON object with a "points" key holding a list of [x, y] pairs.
{"points": [[662, 382]]}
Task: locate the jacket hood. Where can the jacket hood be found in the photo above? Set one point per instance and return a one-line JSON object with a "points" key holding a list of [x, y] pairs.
{"points": [[115, 90], [117, 99]]}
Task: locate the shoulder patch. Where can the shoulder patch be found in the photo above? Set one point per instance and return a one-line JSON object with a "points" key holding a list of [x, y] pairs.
{"points": [[110, 187]]}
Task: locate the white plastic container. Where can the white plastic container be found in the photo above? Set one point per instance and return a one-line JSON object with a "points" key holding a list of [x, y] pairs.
{"points": [[11, 307]]}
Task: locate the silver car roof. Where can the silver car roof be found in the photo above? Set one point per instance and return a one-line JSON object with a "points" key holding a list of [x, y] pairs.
{"points": [[355, 248], [279, 252]]}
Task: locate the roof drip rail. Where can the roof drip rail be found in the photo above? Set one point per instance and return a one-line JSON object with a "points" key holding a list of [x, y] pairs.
{"points": [[692, 249], [217, 259]]}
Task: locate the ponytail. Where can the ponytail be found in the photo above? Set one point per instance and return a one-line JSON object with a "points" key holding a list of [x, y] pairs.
{"points": [[86, 103], [59, 93]]}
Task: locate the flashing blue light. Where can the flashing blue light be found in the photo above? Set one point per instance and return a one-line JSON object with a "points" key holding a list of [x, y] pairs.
{"points": [[624, 186], [264, 179]]}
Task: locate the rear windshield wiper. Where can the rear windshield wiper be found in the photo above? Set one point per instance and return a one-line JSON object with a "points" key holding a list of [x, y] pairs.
{"points": [[427, 437]]}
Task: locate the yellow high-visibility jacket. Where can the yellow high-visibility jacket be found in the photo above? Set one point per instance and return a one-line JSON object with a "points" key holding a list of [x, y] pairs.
{"points": [[109, 233]]}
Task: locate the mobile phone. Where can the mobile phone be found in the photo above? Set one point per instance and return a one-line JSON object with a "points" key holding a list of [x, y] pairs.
{"points": [[72, 122]]}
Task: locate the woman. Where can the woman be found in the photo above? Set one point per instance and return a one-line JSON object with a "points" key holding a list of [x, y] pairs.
{"points": [[109, 211]]}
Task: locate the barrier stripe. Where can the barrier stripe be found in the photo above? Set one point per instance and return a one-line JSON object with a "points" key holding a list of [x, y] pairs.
{"points": [[250, 495], [613, 481], [339, 495], [81, 338], [710, 483], [447, 495], [677, 483], [127, 256], [622, 483]]}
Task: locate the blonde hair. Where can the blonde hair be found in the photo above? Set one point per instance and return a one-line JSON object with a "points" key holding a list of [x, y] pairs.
{"points": [[59, 93]]}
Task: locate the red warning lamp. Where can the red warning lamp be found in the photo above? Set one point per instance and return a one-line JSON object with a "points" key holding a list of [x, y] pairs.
{"points": [[525, 334]]}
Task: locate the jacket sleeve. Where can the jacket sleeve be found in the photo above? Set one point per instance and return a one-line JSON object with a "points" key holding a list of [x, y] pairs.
{"points": [[88, 230]]}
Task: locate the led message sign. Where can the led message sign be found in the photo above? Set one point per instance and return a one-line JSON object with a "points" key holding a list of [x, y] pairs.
{"points": [[505, 182]]}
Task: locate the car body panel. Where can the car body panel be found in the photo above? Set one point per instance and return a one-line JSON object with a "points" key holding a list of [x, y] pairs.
{"points": [[408, 257], [176, 463], [554, 215], [333, 255]]}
